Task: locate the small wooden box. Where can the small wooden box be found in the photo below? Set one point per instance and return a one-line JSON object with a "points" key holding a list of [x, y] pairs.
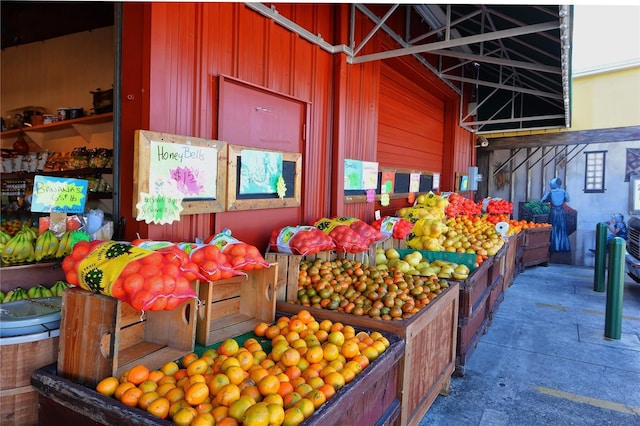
{"points": [[430, 342], [537, 236], [234, 306], [510, 261], [101, 336]]}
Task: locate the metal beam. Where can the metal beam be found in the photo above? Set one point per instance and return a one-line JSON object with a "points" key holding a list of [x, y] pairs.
{"points": [[459, 42], [500, 61], [515, 119], [502, 86]]}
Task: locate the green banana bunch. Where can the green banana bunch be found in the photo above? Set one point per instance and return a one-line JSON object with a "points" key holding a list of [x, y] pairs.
{"points": [[2, 295], [34, 292], [4, 237], [19, 249], [58, 288], [30, 233], [17, 294], [46, 245]]}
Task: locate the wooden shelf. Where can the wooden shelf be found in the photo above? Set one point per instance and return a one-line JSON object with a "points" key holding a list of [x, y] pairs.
{"points": [[89, 119], [61, 173]]}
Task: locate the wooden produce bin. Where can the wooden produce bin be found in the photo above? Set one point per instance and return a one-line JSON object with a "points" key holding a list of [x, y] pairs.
{"points": [[288, 270], [510, 261], [19, 357], [473, 288], [430, 344], [470, 328], [234, 306], [101, 336], [370, 398], [496, 296]]}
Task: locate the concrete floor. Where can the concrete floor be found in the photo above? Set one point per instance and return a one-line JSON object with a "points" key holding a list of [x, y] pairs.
{"points": [[545, 359]]}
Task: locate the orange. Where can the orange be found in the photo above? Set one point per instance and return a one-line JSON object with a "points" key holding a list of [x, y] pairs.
{"points": [[197, 393], [146, 399], [278, 350], [303, 389], [313, 326], [348, 331], [107, 386], [138, 374], [309, 373], [274, 398], [327, 390], [260, 329], [276, 414], [306, 406], [159, 407], [331, 351], [217, 382], [349, 349], [245, 358], [227, 421], [291, 399], [198, 366], [181, 373], [315, 382], [291, 336], [284, 388], [185, 416], [258, 373], [257, 415], [336, 326], [205, 407], [290, 357], [220, 412], [227, 394], [164, 388], [314, 354], [167, 379], [362, 360], [326, 325], [122, 388], [203, 419], [272, 331], [292, 417], [269, 384], [335, 379], [175, 394], [188, 359], [229, 347], [259, 356], [236, 374], [253, 392], [336, 337], [293, 372], [316, 397], [353, 365], [131, 397], [348, 374], [322, 335], [304, 316], [370, 352], [228, 362], [239, 406], [156, 375], [296, 325]]}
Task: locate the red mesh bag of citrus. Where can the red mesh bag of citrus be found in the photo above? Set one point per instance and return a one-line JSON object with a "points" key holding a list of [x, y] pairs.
{"points": [[300, 240], [146, 279], [397, 227], [207, 261], [366, 231], [345, 238], [241, 256]]}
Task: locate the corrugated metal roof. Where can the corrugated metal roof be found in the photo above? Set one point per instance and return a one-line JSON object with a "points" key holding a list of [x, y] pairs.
{"points": [[510, 64]]}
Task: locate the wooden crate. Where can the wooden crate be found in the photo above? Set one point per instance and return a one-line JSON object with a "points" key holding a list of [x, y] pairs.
{"points": [[536, 236], [234, 306], [19, 358], [288, 270], [468, 326], [494, 309], [430, 344], [463, 356], [510, 261], [498, 264], [372, 397], [537, 254], [473, 288], [495, 291], [101, 336]]}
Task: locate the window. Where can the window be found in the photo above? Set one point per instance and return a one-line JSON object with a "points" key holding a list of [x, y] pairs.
{"points": [[594, 171]]}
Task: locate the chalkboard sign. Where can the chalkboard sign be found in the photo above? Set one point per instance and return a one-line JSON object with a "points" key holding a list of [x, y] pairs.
{"points": [[291, 174], [193, 168], [400, 187]]}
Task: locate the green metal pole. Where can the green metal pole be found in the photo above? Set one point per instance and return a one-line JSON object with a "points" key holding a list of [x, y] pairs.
{"points": [[615, 289], [601, 259]]}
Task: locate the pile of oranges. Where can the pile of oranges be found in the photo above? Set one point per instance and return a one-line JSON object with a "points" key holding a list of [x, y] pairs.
{"points": [[235, 384]]}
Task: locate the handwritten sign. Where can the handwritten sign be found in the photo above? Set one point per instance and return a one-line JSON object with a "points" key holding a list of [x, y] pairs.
{"points": [[387, 180], [259, 171], [62, 195], [158, 208], [436, 181], [352, 175], [414, 182], [369, 175], [188, 169]]}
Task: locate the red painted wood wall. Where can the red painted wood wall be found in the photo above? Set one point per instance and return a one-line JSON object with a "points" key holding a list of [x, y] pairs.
{"points": [[174, 53]]}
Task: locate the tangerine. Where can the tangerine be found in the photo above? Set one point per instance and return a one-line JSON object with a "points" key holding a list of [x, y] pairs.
{"points": [[292, 417], [146, 399], [269, 384], [138, 374], [107, 386], [131, 396], [257, 415], [227, 394], [159, 407]]}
